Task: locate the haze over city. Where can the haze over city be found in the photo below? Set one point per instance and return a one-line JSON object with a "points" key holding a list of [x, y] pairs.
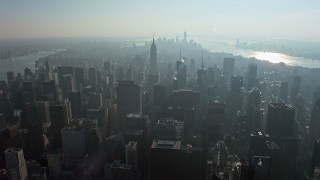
{"points": [[160, 90], [130, 18]]}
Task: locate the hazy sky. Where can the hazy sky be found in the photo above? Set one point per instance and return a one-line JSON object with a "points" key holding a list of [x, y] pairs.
{"points": [[296, 19]]}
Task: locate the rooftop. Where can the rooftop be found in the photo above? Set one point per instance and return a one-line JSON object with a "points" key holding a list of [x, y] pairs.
{"points": [[136, 115], [280, 105], [169, 121], [166, 144], [134, 132], [272, 145]]}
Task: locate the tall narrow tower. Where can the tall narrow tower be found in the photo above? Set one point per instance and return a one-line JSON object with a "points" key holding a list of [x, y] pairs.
{"points": [[153, 58]]}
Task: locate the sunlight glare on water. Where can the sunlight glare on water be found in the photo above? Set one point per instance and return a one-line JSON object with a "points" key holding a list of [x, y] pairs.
{"points": [[272, 57]]}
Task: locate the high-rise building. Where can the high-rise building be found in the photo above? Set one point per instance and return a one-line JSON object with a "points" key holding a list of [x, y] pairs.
{"points": [[185, 98], [316, 94], [16, 164], [223, 89], [236, 96], [95, 100], [203, 86], [253, 111], [59, 118], [54, 165], [132, 156], [129, 74], [252, 76], [228, 69], [315, 120], [220, 155], [93, 76], [170, 129], [284, 91], [79, 75], [74, 142], [211, 77], [315, 160], [192, 66], [76, 103], [236, 83], [27, 115], [101, 115], [181, 75], [273, 151], [107, 66], [159, 94], [31, 88], [49, 87], [121, 171], [153, 58], [129, 100], [94, 140], [10, 76], [70, 81], [257, 143], [42, 113], [214, 124], [137, 121], [295, 89], [164, 157], [280, 119], [67, 83], [170, 160]]}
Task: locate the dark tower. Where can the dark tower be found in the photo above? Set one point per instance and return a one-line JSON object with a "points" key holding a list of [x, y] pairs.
{"points": [[153, 58]]}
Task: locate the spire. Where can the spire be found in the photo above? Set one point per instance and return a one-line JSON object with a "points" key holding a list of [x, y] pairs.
{"points": [[153, 38]]}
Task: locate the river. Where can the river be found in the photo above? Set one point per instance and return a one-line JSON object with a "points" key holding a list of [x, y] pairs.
{"points": [[229, 47], [17, 64]]}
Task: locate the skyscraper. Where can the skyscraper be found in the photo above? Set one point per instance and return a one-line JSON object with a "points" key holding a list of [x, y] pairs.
{"points": [[315, 161], [129, 100], [75, 99], [79, 73], [284, 91], [159, 94], [170, 129], [228, 69], [280, 119], [154, 75], [153, 58], [295, 89], [74, 142], [54, 165], [64, 70], [93, 76], [10, 76], [315, 120], [181, 74], [252, 76], [253, 113], [137, 121], [16, 164]]}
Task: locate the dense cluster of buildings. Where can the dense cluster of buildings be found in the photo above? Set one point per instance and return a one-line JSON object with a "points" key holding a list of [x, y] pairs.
{"points": [[138, 120]]}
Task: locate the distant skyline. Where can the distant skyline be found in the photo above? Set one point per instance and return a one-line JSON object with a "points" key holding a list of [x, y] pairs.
{"points": [[141, 18]]}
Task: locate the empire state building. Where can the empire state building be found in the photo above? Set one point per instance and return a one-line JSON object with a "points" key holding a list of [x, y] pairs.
{"points": [[153, 58], [154, 75]]}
